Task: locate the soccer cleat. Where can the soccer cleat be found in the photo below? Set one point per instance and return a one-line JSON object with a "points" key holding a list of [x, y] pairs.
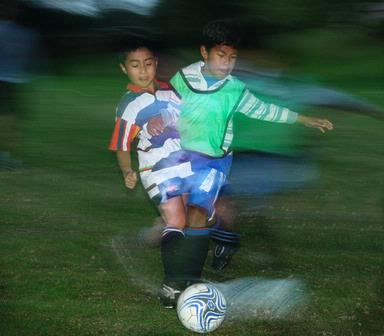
{"points": [[222, 255], [168, 295]]}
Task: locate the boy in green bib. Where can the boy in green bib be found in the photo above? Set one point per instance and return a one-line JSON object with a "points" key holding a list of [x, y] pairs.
{"points": [[194, 176]]}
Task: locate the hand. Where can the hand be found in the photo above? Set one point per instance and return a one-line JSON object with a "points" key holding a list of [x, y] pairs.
{"points": [[130, 179], [321, 124], [155, 126]]}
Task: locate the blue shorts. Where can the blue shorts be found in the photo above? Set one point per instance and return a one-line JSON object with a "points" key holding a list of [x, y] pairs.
{"points": [[199, 176]]}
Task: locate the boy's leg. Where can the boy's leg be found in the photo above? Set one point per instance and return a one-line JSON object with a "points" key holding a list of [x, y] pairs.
{"points": [[183, 255], [172, 251], [226, 239], [204, 191], [176, 255], [196, 242], [151, 236]]}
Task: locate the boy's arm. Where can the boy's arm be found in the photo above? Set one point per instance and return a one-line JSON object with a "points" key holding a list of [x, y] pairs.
{"points": [[255, 108], [130, 176], [122, 136]]}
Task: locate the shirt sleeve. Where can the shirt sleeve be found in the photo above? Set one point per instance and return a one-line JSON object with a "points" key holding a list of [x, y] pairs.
{"points": [[125, 129], [122, 135], [253, 107]]}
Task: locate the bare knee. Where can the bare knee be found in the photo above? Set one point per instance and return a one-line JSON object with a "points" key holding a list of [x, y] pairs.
{"points": [[197, 217], [173, 213]]}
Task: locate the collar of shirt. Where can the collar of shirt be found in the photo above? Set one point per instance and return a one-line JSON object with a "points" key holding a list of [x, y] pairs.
{"points": [[196, 78], [138, 89]]}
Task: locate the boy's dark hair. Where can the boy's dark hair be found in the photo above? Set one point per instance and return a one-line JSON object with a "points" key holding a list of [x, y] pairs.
{"points": [[221, 32], [133, 45]]}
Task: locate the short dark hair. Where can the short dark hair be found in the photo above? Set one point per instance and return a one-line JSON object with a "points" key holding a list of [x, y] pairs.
{"points": [[221, 32], [134, 45]]}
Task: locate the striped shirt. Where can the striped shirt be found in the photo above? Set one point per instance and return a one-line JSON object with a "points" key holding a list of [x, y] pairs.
{"points": [[133, 112]]}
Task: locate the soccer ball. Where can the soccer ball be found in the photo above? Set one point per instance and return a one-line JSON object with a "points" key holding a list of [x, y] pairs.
{"points": [[201, 308]]}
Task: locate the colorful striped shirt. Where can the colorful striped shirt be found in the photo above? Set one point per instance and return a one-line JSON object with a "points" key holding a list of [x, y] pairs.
{"points": [[133, 112]]}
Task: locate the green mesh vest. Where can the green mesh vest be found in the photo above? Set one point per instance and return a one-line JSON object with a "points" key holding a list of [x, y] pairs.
{"points": [[205, 115]]}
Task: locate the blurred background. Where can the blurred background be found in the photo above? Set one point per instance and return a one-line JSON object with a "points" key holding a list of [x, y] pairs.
{"points": [[82, 26], [296, 53]]}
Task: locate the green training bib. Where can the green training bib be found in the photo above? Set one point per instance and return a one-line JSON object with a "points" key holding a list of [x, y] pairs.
{"points": [[205, 115]]}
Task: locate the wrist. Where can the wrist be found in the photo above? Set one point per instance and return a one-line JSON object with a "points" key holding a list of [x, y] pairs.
{"points": [[301, 119]]}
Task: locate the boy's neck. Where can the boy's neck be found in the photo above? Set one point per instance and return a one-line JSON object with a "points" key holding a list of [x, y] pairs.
{"points": [[151, 88], [135, 88], [209, 76], [205, 72]]}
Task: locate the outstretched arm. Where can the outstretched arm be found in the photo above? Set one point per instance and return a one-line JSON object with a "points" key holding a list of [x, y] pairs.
{"points": [[130, 176], [321, 124], [253, 107]]}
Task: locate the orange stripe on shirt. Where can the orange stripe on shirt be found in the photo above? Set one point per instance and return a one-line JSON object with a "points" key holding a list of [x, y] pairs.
{"points": [[115, 136], [118, 134], [132, 134]]}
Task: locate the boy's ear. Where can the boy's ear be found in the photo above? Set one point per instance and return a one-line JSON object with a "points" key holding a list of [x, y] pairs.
{"points": [[123, 69], [204, 52]]}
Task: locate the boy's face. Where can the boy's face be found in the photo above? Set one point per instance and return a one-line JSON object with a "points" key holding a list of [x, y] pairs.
{"points": [[219, 60], [140, 66]]}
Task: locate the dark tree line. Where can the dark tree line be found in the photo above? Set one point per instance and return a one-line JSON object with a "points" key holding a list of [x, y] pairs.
{"points": [[178, 23]]}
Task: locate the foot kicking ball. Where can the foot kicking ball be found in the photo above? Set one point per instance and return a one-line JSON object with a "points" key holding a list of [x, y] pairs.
{"points": [[201, 308]]}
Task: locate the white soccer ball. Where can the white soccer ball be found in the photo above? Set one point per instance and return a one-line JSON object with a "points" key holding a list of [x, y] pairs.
{"points": [[201, 308]]}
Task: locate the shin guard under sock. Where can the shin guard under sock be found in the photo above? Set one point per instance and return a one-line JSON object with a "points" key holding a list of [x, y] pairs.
{"points": [[196, 249], [223, 236], [171, 247]]}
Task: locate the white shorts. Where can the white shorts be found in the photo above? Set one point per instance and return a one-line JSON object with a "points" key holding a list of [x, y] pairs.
{"points": [[149, 184]]}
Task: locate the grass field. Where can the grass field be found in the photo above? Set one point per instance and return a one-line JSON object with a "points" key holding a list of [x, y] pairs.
{"points": [[69, 264]]}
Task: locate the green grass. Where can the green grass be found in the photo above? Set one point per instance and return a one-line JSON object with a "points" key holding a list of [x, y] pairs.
{"points": [[68, 266]]}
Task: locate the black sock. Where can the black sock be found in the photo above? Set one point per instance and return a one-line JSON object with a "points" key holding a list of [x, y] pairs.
{"points": [[184, 256], [196, 251], [171, 245], [223, 236]]}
